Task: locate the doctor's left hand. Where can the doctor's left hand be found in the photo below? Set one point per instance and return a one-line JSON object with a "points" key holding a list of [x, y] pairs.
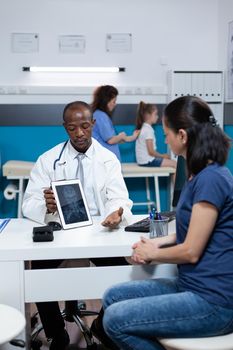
{"points": [[113, 220], [50, 201]]}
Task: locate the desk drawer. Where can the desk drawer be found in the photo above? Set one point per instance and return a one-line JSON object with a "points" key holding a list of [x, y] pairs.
{"points": [[85, 282]]}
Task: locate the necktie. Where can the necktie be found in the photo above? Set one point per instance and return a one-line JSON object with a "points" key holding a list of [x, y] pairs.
{"points": [[79, 172]]}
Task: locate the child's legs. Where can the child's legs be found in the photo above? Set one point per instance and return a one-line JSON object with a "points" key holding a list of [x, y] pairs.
{"points": [[161, 162], [168, 163]]}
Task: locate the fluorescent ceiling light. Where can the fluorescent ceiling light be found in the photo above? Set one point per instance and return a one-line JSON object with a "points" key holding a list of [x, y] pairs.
{"points": [[75, 69]]}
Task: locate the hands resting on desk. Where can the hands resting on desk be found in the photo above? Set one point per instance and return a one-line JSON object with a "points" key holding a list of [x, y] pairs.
{"points": [[112, 221], [144, 251]]}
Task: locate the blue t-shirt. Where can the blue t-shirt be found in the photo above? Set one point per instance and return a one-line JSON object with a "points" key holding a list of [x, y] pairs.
{"points": [[212, 276], [103, 130]]}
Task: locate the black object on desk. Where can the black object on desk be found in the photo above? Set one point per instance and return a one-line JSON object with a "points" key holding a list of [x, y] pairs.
{"points": [[144, 224], [42, 234], [56, 226]]}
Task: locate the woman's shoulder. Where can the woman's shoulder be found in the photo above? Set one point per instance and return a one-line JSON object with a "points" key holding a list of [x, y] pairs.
{"points": [[217, 170], [98, 114], [216, 173], [213, 184]]}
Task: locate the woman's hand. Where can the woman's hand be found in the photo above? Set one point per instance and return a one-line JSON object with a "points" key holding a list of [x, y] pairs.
{"points": [[136, 133], [144, 250], [132, 137]]}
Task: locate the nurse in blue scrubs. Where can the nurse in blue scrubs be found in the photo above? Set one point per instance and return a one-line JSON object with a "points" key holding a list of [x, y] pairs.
{"points": [[103, 104]]}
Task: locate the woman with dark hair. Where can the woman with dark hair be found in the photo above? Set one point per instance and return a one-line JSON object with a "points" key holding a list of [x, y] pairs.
{"points": [[199, 302], [103, 105]]}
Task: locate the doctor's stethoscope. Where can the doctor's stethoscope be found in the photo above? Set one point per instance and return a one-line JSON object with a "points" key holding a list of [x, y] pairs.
{"points": [[59, 157]]}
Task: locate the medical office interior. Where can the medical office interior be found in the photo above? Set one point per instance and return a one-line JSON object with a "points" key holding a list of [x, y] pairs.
{"points": [[155, 40], [167, 48]]}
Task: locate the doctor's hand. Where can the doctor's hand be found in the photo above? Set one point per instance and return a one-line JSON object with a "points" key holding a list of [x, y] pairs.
{"points": [[50, 200], [113, 220]]}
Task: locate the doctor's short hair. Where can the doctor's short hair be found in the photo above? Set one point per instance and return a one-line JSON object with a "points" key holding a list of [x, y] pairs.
{"points": [[76, 105]]}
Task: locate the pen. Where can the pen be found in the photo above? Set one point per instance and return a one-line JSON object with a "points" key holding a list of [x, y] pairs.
{"points": [[159, 225], [153, 213], [159, 217]]}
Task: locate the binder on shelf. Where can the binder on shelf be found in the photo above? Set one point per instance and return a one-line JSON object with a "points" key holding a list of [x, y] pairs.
{"points": [[207, 85]]}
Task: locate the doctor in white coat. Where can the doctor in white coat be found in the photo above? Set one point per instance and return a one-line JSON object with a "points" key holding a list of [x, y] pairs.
{"points": [[104, 185], [104, 188]]}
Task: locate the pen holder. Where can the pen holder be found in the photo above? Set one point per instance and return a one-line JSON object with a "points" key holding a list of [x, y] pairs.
{"points": [[158, 228]]}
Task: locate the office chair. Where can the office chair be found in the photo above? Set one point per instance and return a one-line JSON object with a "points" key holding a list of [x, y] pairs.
{"points": [[18, 343], [73, 312], [12, 324]]}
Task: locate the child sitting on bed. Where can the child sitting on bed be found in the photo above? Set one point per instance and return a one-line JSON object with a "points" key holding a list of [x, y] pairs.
{"points": [[146, 153]]}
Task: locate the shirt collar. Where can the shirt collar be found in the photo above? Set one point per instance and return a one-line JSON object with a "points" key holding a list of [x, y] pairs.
{"points": [[73, 151]]}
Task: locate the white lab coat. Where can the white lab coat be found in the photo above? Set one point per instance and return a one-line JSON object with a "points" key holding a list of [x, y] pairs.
{"points": [[109, 187]]}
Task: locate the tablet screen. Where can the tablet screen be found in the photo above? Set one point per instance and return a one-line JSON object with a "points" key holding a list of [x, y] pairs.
{"points": [[71, 203]]}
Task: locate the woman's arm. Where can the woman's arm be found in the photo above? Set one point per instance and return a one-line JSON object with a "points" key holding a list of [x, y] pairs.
{"points": [[132, 137], [122, 137], [152, 152], [202, 222], [117, 138]]}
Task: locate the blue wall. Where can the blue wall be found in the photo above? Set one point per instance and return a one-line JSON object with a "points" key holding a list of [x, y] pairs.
{"points": [[28, 142]]}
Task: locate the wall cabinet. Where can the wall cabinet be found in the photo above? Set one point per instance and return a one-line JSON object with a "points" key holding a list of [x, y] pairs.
{"points": [[207, 85]]}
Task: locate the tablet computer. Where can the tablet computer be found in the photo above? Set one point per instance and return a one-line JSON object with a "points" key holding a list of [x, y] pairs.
{"points": [[71, 203]]}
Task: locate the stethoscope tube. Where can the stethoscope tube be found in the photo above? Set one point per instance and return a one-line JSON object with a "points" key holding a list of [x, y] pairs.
{"points": [[60, 155]]}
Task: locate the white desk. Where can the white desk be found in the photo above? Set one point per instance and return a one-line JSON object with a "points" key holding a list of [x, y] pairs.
{"points": [[20, 285], [132, 170]]}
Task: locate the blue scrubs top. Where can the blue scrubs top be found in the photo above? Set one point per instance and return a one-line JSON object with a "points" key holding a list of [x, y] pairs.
{"points": [[212, 276], [103, 130]]}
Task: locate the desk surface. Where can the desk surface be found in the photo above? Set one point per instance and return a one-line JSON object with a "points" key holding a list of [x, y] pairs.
{"points": [[134, 168], [83, 242], [16, 168]]}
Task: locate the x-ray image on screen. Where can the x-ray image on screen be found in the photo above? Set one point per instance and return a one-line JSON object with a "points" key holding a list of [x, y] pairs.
{"points": [[72, 203]]}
